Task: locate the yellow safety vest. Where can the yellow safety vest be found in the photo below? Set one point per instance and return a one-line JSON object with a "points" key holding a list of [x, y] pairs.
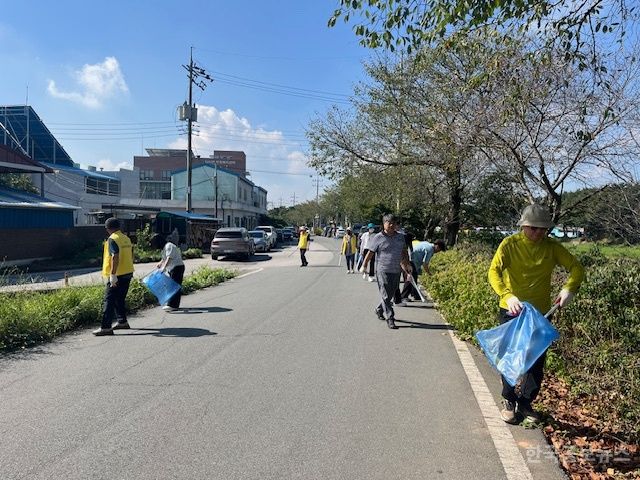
{"points": [[125, 257], [304, 240]]}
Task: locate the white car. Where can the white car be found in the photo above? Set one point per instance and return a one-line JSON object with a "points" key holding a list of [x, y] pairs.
{"points": [[272, 236], [340, 232]]}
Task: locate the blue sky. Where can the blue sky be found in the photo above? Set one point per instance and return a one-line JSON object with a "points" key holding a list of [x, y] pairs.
{"points": [[106, 77]]}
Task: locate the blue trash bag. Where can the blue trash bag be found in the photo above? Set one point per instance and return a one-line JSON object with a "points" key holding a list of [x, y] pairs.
{"points": [[513, 347], [161, 285]]}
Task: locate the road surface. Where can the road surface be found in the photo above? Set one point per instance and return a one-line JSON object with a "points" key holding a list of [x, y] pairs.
{"points": [[283, 373]]}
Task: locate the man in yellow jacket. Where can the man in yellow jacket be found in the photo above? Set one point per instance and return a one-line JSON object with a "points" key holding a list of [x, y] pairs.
{"points": [[117, 266], [521, 271], [303, 245]]}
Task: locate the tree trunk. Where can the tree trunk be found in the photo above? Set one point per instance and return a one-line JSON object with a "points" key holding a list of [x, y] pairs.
{"points": [[452, 225]]}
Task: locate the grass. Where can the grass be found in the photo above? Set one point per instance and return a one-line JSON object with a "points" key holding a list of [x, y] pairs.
{"points": [[28, 318], [608, 250]]}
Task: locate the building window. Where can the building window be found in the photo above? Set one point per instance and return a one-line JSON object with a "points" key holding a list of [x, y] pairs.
{"points": [[146, 174], [166, 174]]}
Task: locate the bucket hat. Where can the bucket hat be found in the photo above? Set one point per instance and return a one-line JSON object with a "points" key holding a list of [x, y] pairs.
{"points": [[371, 225], [535, 216]]}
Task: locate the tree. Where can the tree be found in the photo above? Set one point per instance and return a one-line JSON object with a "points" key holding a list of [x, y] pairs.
{"points": [[408, 116], [17, 182], [579, 28], [550, 125]]}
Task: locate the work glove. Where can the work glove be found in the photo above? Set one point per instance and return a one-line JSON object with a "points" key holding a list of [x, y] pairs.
{"points": [[514, 304], [113, 280], [564, 298]]}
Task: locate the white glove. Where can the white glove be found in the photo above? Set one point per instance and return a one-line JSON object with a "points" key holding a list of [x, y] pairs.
{"points": [[113, 280], [514, 304], [564, 298]]}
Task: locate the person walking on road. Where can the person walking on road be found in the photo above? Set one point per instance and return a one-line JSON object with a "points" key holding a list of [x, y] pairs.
{"points": [[303, 245], [172, 264], [349, 249], [521, 271], [365, 238], [391, 258], [420, 259], [117, 266]]}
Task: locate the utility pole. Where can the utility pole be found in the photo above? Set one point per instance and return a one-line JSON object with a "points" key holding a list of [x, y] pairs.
{"points": [[189, 122], [316, 218], [216, 188], [188, 112], [294, 199]]}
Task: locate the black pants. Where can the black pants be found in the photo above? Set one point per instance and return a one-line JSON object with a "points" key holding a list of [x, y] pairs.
{"points": [[176, 274], [114, 301], [529, 386], [372, 263], [409, 289], [303, 259]]}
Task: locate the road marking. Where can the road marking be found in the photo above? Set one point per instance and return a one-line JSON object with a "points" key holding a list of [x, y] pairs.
{"points": [[514, 465], [250, 273]]}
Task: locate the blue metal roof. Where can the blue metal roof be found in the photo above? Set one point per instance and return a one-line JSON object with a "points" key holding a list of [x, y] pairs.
{"points": [[81, 172], [212, 167], [40, 142], [10, 198]]}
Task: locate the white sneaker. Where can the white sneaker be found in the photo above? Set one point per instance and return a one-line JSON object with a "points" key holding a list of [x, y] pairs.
{"points": [[371, 279], [364, 276], [167, 308]]}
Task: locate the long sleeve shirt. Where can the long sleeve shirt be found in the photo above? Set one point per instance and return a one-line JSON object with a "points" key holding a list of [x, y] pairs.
{"points": [[523, 268]]}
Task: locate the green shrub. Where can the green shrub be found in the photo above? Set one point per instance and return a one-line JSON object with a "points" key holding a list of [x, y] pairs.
{"points": [[30, 317], [192, 253], [597, 352]]}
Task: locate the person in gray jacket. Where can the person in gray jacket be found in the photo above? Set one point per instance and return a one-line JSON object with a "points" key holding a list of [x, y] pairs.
{"points": [[391, 259]]}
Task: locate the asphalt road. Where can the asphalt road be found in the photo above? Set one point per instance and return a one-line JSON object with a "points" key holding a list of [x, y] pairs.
{"points": [[284, 373]]}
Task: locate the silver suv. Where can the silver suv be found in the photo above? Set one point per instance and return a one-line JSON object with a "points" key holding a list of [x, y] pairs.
{"points": [[232, 241]]}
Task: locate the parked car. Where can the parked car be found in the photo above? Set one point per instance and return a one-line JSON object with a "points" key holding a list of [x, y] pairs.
{"points": [[259, 240], [294, 231], [287, 234], [340, 232], [232, 241], [280, 235], [271, 234]]}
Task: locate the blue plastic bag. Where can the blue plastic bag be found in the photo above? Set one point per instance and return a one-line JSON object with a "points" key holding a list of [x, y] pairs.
{"points": [[161, 285], [513, 347]]}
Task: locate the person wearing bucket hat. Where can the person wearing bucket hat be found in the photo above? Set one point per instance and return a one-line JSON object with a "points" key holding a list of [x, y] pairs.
{"points": [[303, 245], [520, 271], [365, 238]]}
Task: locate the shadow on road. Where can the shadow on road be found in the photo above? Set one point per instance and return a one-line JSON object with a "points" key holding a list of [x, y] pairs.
{"points": [[170, 332], [426, 326], [184, 310]]}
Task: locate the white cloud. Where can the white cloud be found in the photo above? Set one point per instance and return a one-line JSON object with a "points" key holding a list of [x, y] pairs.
{"points": [[96, 83], [108, 165], [276, 162]]}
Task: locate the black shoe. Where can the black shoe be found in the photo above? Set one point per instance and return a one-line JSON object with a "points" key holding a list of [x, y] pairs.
{"points": [[529, 414], [379, 315], [121, 326], [101, 332], [392, 324]]}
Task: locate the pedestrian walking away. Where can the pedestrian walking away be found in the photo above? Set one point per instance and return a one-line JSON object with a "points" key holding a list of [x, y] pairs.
{"points": [[172, 264], [520, 271], [349, 249], [364, 250], [421, 255], [303, 245], [117, 267], [391, 259]]}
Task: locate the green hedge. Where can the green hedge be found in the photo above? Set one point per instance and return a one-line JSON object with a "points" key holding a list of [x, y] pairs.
{"points": [[598, 352], [27, 318]]}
